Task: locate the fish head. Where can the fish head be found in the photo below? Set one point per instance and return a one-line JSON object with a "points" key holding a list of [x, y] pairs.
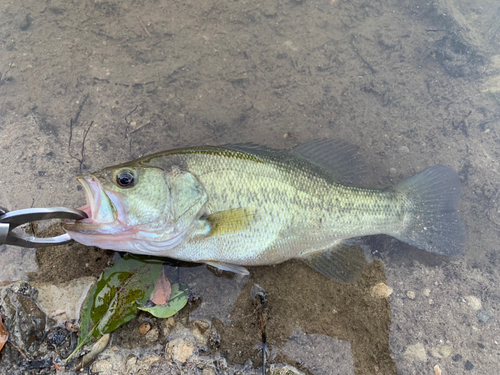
{"points": [[136, 208]]}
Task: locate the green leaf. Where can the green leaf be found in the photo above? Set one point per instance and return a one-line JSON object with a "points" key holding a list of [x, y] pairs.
{"points": [[114, 300], [178, 300]]}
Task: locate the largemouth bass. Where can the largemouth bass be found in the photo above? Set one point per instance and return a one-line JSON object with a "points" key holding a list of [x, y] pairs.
{"points": [[247, 205]]}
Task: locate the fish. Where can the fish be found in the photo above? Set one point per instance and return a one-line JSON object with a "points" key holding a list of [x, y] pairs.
{"points": [[240, 205]]}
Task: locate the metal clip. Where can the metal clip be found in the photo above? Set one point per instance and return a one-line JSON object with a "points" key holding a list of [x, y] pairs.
{"points": [[12, 219]]}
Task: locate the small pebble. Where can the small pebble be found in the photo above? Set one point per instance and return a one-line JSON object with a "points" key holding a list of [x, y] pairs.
{"points": [[404, 149], [152, 335], [443, 351], [416, 353], [426, 292], [437, 370], [144, 328], [474, 302], [469, 366], [381, 291], [287, 135], [392, 171], [410, 294], [202, 325]]}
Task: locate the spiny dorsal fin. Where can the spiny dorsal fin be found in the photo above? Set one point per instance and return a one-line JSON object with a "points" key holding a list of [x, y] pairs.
{"points": [[343, 263], [338, 157], [224, 222]]}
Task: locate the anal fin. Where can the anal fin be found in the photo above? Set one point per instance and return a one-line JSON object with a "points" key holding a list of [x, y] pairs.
{"points": [[229, 267], [343, 263]]}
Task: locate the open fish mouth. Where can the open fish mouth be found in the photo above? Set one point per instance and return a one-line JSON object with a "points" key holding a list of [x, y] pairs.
{"points": [[104, 209]]}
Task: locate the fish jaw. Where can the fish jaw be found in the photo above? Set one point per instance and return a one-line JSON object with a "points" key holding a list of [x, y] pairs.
{"points": [[104, 208]]}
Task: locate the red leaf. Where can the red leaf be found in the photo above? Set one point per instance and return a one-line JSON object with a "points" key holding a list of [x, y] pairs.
{"points": [[161, 293], [4, 335]]}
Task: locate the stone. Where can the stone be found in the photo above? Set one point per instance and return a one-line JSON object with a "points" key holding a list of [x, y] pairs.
{"points": [[474, 302], [410, 294], [152, 336], [63, 302], [381, 290], [282, 369], [102, 366], [22, 317], [144, 328], [208, 371], [416, 353], [442, 351], [180, 350]]}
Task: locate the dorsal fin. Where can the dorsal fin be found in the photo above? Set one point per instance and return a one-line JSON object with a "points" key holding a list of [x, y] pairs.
{"points": [[338, 157]]}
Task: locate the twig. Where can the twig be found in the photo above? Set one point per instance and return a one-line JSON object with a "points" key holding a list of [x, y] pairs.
{"points": [[258, 291], [85, 133], [144, 27], [19, 350], [5, 73], [372, 69], [80, 108], [127, 134], [141, 126]]}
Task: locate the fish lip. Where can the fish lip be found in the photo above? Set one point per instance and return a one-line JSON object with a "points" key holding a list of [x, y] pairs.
{"points": [[91, 187]]}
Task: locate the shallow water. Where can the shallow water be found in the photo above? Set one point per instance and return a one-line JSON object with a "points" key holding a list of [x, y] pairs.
{"points": [[413, 84]]}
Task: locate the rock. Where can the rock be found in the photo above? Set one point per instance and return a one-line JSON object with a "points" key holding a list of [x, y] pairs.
{"points": [[416, 353], [200, 339], [22, 317], [202, 325], [180, 350], [410, 294], [426, 292], [474, 302], [282, 369], [381, 291], [442, 351], [63, 302], [144, 328], [152, 336], [102, 366], [320, 354], [208, 371], [181, 345]]}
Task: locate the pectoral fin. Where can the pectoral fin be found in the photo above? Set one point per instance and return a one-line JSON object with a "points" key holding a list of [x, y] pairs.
{"points": [[343, 263], [224, 222]]}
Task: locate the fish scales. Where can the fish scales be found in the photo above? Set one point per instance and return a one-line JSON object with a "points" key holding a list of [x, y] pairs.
{"points": [[283, 197]]}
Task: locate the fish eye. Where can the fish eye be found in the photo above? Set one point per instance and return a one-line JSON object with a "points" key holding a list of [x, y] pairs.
{"points": [[125, 178]]}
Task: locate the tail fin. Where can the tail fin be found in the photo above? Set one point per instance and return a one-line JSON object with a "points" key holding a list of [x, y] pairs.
{"points": [[431, 221]]}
